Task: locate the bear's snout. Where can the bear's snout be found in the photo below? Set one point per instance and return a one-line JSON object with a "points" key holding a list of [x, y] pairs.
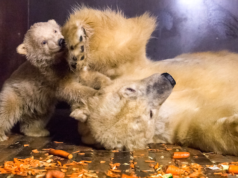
{"points": [[170, 78], [61, 42]]}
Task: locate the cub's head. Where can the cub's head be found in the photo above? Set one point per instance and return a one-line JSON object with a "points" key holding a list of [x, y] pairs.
{"points": [[43, 44], [76, 36], [124, 115]]}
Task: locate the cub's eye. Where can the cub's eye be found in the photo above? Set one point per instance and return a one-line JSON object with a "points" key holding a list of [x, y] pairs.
{"points": [[71, 47], [44, 42], [151, 114], [131, 90], [55, 31]]}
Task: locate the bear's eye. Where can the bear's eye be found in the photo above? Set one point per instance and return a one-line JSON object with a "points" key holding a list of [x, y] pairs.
{"points": [[44, 42], [131, 90], [80, 38], [71, 47], [151, 114], [55, 31]]}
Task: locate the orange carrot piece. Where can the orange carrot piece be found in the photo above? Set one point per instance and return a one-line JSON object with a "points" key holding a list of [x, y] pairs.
{"points": [[194, 174], [61, 153], [181, 155], [126, 176], [233, 169], [151, 165], [132, 166], [114, 151], [111, 174], [35, 151], [156, 166], [174, 170], [55, 174], [149, 161], [59, 163], [58, 142]]}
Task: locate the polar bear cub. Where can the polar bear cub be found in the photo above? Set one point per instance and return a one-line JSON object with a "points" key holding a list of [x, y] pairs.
{"points": [[30, 94]]}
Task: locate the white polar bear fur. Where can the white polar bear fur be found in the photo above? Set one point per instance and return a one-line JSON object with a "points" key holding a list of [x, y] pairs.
{"points": [[202, 109]]}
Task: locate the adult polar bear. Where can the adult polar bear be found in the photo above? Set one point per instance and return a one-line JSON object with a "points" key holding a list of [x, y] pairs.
{"points": [[200, 112]]}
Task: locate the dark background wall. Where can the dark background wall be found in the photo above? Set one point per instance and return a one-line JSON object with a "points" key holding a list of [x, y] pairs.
{"points": [[184, 25]]}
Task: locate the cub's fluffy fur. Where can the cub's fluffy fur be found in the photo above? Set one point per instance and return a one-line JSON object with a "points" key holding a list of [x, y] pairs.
{"points": [[114, 40], [30, 94]]}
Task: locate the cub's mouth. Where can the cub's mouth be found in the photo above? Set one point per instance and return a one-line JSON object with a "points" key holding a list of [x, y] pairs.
{"points": [[61, 44], [61, 49]]}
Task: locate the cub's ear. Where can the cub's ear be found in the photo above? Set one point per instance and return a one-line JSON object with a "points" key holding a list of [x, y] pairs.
{"points": [[52, 21], [21, 49]]}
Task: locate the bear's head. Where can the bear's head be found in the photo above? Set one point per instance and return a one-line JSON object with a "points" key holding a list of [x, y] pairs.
{"points": [[123, 116], [43, 44]]}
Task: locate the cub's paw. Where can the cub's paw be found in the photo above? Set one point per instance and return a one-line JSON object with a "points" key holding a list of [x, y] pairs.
{"points": [[37, 133], [79, 114]]}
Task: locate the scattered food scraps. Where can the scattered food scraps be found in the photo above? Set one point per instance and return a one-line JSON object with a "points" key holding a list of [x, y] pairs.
{"points": [[149, 161], [174, 170], [54, 174], [181, 155], [58, 142], [35, 151], [61, 153]]}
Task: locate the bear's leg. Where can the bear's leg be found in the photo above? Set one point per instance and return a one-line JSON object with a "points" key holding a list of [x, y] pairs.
{"points": [[11, 109], [35, 127], [94, 79], [79, 112]]}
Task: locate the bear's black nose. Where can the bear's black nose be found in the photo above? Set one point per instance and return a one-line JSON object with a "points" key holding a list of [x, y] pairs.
{"points": [[61, 42], [170, 78]]}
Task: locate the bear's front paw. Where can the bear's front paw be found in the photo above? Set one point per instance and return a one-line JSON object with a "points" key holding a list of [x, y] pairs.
{"points": [[105, 82], [77, 58], [79, 114]]}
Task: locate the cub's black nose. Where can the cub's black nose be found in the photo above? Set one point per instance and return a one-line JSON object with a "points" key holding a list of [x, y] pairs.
{"points": [[170, 78], [61, 42]]}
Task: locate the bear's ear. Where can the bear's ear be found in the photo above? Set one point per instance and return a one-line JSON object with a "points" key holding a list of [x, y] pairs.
{"points": [[21, 49], [129, 92], [52, 21]]}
